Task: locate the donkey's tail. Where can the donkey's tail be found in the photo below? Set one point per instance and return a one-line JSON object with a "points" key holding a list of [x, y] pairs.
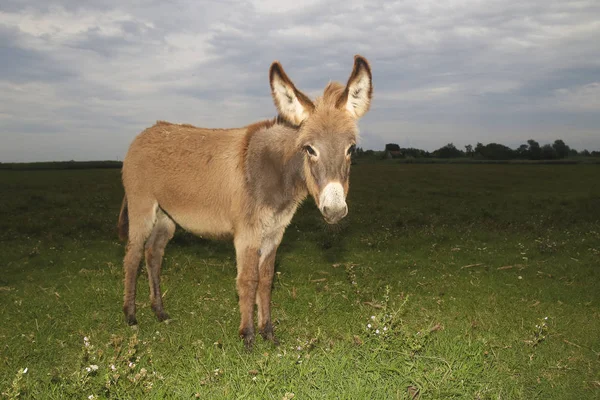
{"points": [[123, 225]]}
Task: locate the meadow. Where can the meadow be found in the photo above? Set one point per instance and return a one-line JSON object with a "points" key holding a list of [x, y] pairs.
{"points": [[444, 281]]}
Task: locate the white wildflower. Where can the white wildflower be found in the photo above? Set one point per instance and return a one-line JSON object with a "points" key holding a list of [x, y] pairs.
{"points": [[385, 328], [369, 326], [94, 367], [377, 331], [113, 368], [25, 370], [373, 317]]}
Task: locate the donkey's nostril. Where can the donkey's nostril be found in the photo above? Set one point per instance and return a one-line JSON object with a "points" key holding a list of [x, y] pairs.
{"points": [[324, 209]]}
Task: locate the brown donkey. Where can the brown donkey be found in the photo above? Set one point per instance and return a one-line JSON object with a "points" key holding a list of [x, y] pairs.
{"points": [[244, 183]]}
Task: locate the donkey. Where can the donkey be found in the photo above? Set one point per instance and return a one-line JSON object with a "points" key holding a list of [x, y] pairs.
{"points": [[242, 183]]}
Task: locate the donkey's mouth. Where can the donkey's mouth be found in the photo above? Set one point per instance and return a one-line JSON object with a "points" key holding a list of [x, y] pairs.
{"points": [[331, 221], [334, 218]]}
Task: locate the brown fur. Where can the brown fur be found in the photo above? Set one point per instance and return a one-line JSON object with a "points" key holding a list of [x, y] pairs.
{"points": [[244, 183]]}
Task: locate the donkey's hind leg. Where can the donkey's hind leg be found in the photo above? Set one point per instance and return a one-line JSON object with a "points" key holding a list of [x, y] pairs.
{"points": [[141, 221], [163, 231]]}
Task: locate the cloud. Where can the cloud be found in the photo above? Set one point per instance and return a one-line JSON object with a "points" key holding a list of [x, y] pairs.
{"points": [[79, 79], [580, 99]]}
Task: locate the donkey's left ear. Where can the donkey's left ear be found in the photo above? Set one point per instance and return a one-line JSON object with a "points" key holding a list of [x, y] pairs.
{"points": [[356, 98]]}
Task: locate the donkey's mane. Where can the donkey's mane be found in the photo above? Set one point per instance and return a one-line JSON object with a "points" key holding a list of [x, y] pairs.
{"points": [[331, 94]]}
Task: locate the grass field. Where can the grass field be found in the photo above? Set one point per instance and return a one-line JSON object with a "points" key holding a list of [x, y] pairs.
{"points": [[477, 282]]}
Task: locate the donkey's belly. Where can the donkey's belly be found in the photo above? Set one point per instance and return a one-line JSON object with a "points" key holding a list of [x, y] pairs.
{"points": [[203, 223]]}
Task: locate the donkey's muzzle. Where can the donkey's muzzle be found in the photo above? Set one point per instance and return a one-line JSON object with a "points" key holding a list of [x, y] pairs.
{"points": [[332, 202], [333, 215]]}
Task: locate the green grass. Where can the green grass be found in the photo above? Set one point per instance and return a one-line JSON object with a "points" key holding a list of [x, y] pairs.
{"points": [[462, 264]]}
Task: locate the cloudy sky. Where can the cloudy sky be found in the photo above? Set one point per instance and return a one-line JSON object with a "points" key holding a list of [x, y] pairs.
{"points": [[80, 78]]}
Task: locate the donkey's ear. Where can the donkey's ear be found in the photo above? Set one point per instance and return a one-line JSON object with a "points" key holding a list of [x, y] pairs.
{"points": [[291, 103], [356, 98]]}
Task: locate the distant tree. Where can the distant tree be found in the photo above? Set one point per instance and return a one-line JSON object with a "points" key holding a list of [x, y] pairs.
{"points": [[469, 150], [562, 150], [479, 148], [573, 153], [585, 153], [595, 153], [392, 147], [415, 153], [522, 151], [548, 152], [448, 151], [496, 151], [535, 151]]}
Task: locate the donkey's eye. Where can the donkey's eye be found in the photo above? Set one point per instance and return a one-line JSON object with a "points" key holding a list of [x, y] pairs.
{"points": [[351, 149], [310, 150]]}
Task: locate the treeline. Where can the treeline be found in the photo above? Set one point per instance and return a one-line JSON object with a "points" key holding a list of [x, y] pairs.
{"points": [[60, 165], [491, 151]]}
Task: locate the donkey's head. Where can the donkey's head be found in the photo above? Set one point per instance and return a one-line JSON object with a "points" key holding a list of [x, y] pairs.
{"points": [[327, 132]]}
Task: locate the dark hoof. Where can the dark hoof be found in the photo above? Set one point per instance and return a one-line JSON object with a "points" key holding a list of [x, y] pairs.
{"points": [[162, 316], [267, 334], [249, 342], [129, 311], [130, 319], [248, 336]]}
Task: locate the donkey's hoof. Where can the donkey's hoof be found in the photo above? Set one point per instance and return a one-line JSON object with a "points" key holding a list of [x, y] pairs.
{"points": [[271, 338], [162, 316], [249, 342], [130, 319], [268, 334], [248, 336]]}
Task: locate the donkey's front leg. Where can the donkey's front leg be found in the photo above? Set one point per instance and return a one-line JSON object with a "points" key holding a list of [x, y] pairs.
{"points": [[266, 269], [247, 282]]}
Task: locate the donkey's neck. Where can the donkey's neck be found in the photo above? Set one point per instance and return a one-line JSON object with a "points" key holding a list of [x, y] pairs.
{"points": [[275, 168]]}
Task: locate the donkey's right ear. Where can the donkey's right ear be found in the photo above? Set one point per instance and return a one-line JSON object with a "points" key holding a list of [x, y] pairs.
{"points": [[292, 104]]}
